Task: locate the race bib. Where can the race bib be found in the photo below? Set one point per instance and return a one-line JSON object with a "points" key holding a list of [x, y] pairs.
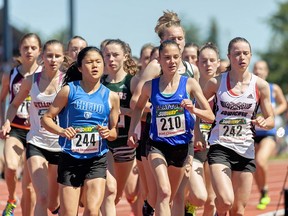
{"points": [[86, 140], [205, 130], [170, 122], [23, 109], [232, 130]]}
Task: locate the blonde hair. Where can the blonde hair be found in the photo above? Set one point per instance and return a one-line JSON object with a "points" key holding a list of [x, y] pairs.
{"points": [[168, 19]]}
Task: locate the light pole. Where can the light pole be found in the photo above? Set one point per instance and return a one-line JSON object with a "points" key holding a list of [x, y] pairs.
{"points": [[7, 35], [71, 18]]}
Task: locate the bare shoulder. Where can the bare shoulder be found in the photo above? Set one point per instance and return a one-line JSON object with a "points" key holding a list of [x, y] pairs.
{"points": [[213, 84], [64, 92], [113, 96], [215, 80], [134, 82], [262, 84], [152, 70], [147, 85], [192, 81], [65, 89]]}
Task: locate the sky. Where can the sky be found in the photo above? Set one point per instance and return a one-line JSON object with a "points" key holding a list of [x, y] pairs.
{"points": [[133, 21]]}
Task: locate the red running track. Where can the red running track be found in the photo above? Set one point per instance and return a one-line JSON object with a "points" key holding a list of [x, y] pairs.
{"points": [[277, 173]]}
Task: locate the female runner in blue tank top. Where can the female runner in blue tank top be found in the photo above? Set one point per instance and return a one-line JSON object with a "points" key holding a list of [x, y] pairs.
{"points": [[171, 127], [88, 113], [168, 27]]}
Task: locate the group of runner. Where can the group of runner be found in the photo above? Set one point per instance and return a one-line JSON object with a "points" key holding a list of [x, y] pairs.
{"points": [[172, 132]]}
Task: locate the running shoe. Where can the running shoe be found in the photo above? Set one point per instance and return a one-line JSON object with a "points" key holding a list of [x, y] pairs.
{"points": [[264, 201], [9, 209], [147, 210], [190, 210]]}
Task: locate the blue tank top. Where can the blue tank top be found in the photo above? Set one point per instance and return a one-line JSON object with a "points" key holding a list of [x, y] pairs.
{"points": [[84, 112], [260, 131], [171, 123]]}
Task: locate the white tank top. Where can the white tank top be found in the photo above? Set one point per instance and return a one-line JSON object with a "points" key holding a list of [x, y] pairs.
{"points": [[40, 103], [232, 127]]}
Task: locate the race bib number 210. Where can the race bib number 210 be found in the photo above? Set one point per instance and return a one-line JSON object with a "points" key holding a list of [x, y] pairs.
{"points": [[170, 122]]}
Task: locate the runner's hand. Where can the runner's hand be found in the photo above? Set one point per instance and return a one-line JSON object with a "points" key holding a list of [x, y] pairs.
{"points": [[132, 141], [5, 130]]}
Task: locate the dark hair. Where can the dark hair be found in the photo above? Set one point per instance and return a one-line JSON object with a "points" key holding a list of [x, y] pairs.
{"points": [[232, 42], [235, 40], [129, 64], [73, 73], [187, 45], [167, 43], [210, 45], [76, 37]]}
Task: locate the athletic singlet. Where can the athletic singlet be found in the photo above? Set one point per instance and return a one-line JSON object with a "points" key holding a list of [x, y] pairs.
{"points": [[122, 88], [84, 112], [232, 127], [40, 103], [260, 131], [22, 113], [188, 73], [171, 123], [189, 70]]}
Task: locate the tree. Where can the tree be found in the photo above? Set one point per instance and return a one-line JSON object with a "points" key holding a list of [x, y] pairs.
{"points": [[213, 31], [62, 35], [276, 54], [192, 34]]}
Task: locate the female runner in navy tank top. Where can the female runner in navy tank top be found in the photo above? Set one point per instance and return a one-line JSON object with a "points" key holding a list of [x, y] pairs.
{"points": [[171, 96]]}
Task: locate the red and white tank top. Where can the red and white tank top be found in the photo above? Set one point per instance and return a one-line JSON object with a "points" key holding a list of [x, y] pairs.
{"points": [[233, 127]]}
